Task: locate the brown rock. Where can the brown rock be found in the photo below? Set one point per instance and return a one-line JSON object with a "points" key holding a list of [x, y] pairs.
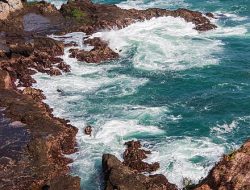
{"points": [[232, 172], [134, 155], [8, 6], [54, 72], [93, 17], [36, 94], [88, 130], [100, 52], [5, 80], [119, 176]]}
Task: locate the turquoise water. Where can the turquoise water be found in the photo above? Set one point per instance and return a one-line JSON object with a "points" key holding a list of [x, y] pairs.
{"points": [[184, 94]]}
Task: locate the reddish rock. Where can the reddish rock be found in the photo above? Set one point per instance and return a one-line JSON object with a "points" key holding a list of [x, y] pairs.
{"points": [[119, 176], [93, 17], [134, 155], [100, 52], [231, 173], [39, 161]]}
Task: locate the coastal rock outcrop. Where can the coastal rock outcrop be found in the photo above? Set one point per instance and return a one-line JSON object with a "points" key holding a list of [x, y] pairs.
{"points": [[90, 17], [33, 142], [134, 155], [100, 52], [8, 6], [119, 176], [127, 175], [231, 173]]}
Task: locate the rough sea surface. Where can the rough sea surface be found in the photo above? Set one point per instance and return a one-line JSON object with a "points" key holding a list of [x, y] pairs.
{"points": [[184, 94]]}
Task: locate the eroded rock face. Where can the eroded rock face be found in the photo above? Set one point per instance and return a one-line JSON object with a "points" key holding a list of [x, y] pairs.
{"points": [[89, 17], [100, 52], [231, 173], [121, 177], [8, 6], [134, 155]]}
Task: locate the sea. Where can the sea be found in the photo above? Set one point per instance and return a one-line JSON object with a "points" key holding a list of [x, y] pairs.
{"points": [[184, 94]]}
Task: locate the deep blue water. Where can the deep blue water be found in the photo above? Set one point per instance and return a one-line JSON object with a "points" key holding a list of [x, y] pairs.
{"points": [[185, 95]]}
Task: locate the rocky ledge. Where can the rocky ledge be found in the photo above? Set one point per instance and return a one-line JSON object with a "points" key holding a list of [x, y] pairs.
{"points": [[127, 175], [41, 18], [33, 141], [231, 173]]}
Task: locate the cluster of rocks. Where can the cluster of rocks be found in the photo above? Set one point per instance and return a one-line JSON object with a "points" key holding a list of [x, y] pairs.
{"points": [[82, 15], [127, 175], [42, 139], [230, 173]]}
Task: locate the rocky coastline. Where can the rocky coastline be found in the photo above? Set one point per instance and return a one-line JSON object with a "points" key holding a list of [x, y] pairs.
{"points": [[33, 141]]}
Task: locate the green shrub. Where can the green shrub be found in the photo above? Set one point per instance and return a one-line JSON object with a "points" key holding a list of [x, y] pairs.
{"points": [[77, 14]]}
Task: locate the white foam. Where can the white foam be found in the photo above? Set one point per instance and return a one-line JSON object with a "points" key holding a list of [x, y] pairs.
{"points": [[144, 4], [57, 3], [231, 16], [225, 128], [177, 157], [107, 138], [164, 43]]}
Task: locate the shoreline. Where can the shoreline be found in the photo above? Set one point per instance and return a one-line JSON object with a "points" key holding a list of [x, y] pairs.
{"points": [[42, 154]]}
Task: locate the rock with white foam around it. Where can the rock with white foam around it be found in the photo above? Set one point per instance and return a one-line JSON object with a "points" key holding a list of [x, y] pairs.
{"points": [[126, 175]]}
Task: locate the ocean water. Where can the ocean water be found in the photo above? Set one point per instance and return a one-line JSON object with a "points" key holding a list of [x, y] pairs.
{"points": [[184, 94]]}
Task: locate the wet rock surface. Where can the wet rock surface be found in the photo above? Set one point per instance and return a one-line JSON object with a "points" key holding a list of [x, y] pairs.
{"points": [[101, 52], [33, 141], [88, 130], [134, 155], [127, 175], [93, 17]]}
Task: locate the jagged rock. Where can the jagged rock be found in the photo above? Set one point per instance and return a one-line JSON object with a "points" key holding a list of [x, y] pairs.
{"points": [[121, 177], [100, 52], [134, 155], [90, 17], [8, 6], [38, 159], [231, 173], [20, 50]]}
